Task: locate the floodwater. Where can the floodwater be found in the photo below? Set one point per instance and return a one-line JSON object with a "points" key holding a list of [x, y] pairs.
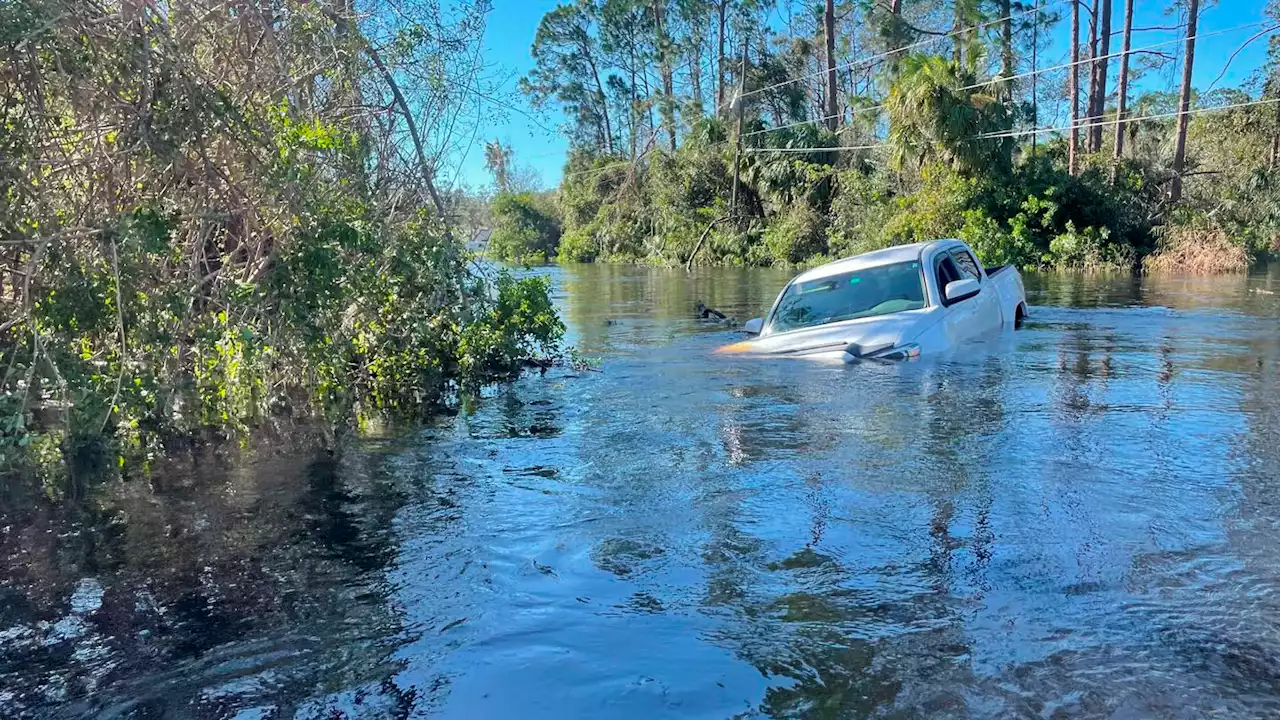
{"points": [[1080, 519]]}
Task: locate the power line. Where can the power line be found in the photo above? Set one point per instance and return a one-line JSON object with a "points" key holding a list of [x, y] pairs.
{"points": [[1096, 120], [801, 122], [1085, 61], [607, 166], [836, 148], [1083, 123], [903, 49], [1020, 76]]}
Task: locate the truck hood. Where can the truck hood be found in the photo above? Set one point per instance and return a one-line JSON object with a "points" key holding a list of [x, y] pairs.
{"points": [[869, 333]]}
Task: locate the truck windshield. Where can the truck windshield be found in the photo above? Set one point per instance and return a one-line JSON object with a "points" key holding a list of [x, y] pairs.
{"points": [[863, 293]]}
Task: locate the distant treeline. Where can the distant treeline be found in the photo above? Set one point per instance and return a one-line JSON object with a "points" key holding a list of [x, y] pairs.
{"points": [[865, 125]]}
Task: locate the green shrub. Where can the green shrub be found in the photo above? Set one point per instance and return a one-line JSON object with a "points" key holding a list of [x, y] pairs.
{"points": [[997, 244], [526, 228], [1089, 249], [934, 211], [603, 199], [729, 244], [354, 316], [579, 245], [796, 235], [860, 211], [519, 324]]}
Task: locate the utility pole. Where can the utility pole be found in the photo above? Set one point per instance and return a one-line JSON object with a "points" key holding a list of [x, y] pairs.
{"points": [[737, 155]]}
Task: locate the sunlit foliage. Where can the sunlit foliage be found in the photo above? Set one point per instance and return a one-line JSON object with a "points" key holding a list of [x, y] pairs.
{"points": [[214, 215]]}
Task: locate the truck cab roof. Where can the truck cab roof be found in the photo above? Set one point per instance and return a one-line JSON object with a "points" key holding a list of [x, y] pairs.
{"points": [[897, 254]]}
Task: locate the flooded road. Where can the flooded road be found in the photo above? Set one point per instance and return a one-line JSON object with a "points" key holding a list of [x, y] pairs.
{"points": [[1080, 519]]}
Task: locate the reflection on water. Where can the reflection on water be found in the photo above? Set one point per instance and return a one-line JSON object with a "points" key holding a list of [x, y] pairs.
{"points": [[1079, 519]]}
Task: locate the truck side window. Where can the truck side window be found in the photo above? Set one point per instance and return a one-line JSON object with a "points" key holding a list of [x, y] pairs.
{"points": [[947, 271], [967, 264]]}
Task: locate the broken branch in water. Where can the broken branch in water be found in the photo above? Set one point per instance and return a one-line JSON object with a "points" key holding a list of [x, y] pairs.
{"points": [[688, 265]]}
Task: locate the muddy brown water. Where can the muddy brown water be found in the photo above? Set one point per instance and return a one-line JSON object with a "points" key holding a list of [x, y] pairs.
{"points": [[1080, 519]]}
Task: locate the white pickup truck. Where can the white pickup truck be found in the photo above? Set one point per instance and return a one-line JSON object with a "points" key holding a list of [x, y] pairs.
{"points": [[891, 304]]}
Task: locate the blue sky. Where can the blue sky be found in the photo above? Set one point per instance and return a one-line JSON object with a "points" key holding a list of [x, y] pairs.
{"points": [[512, 25], [508, 37]]}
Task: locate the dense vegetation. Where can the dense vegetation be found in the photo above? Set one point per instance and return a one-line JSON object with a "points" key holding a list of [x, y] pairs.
{"points": [[526, 227], [214, 213], [929, 145]]}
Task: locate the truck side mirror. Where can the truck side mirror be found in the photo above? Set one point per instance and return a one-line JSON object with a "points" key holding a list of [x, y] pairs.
{"points": [[958, 290], [754, 326]]}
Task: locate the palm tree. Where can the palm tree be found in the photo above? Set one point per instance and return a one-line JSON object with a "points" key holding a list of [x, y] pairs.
{"points": [[497, 160], [931, 119]]}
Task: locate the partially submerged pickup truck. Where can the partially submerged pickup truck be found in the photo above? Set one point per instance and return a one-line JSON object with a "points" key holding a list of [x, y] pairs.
{"points": [[891, 304]]}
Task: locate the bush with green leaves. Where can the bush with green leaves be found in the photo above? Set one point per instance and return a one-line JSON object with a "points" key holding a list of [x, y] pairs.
{"points": [[860, 211], [580, 244], [526, 228], [519, 324], [190, 254], [796, 235], [607, 216], [934, 211], [355, 317]]}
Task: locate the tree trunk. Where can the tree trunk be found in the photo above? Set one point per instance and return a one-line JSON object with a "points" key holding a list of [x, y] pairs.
{"points": [[853, 52], [1100, 78], [635, 103], [829, 29], [650, 126], [1184, 102], [737, 156], [667, 102], [1275, 133], [720, 56], [1091, 97], [1035, 70], [1006, 48], [1073, 140], [895, 29], [604, 102], [957, 36], [695, 75], [1122, 90]]}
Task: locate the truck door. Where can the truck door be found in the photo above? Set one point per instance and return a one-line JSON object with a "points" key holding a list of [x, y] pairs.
{"points": [[961, 318], [988, 317]]}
